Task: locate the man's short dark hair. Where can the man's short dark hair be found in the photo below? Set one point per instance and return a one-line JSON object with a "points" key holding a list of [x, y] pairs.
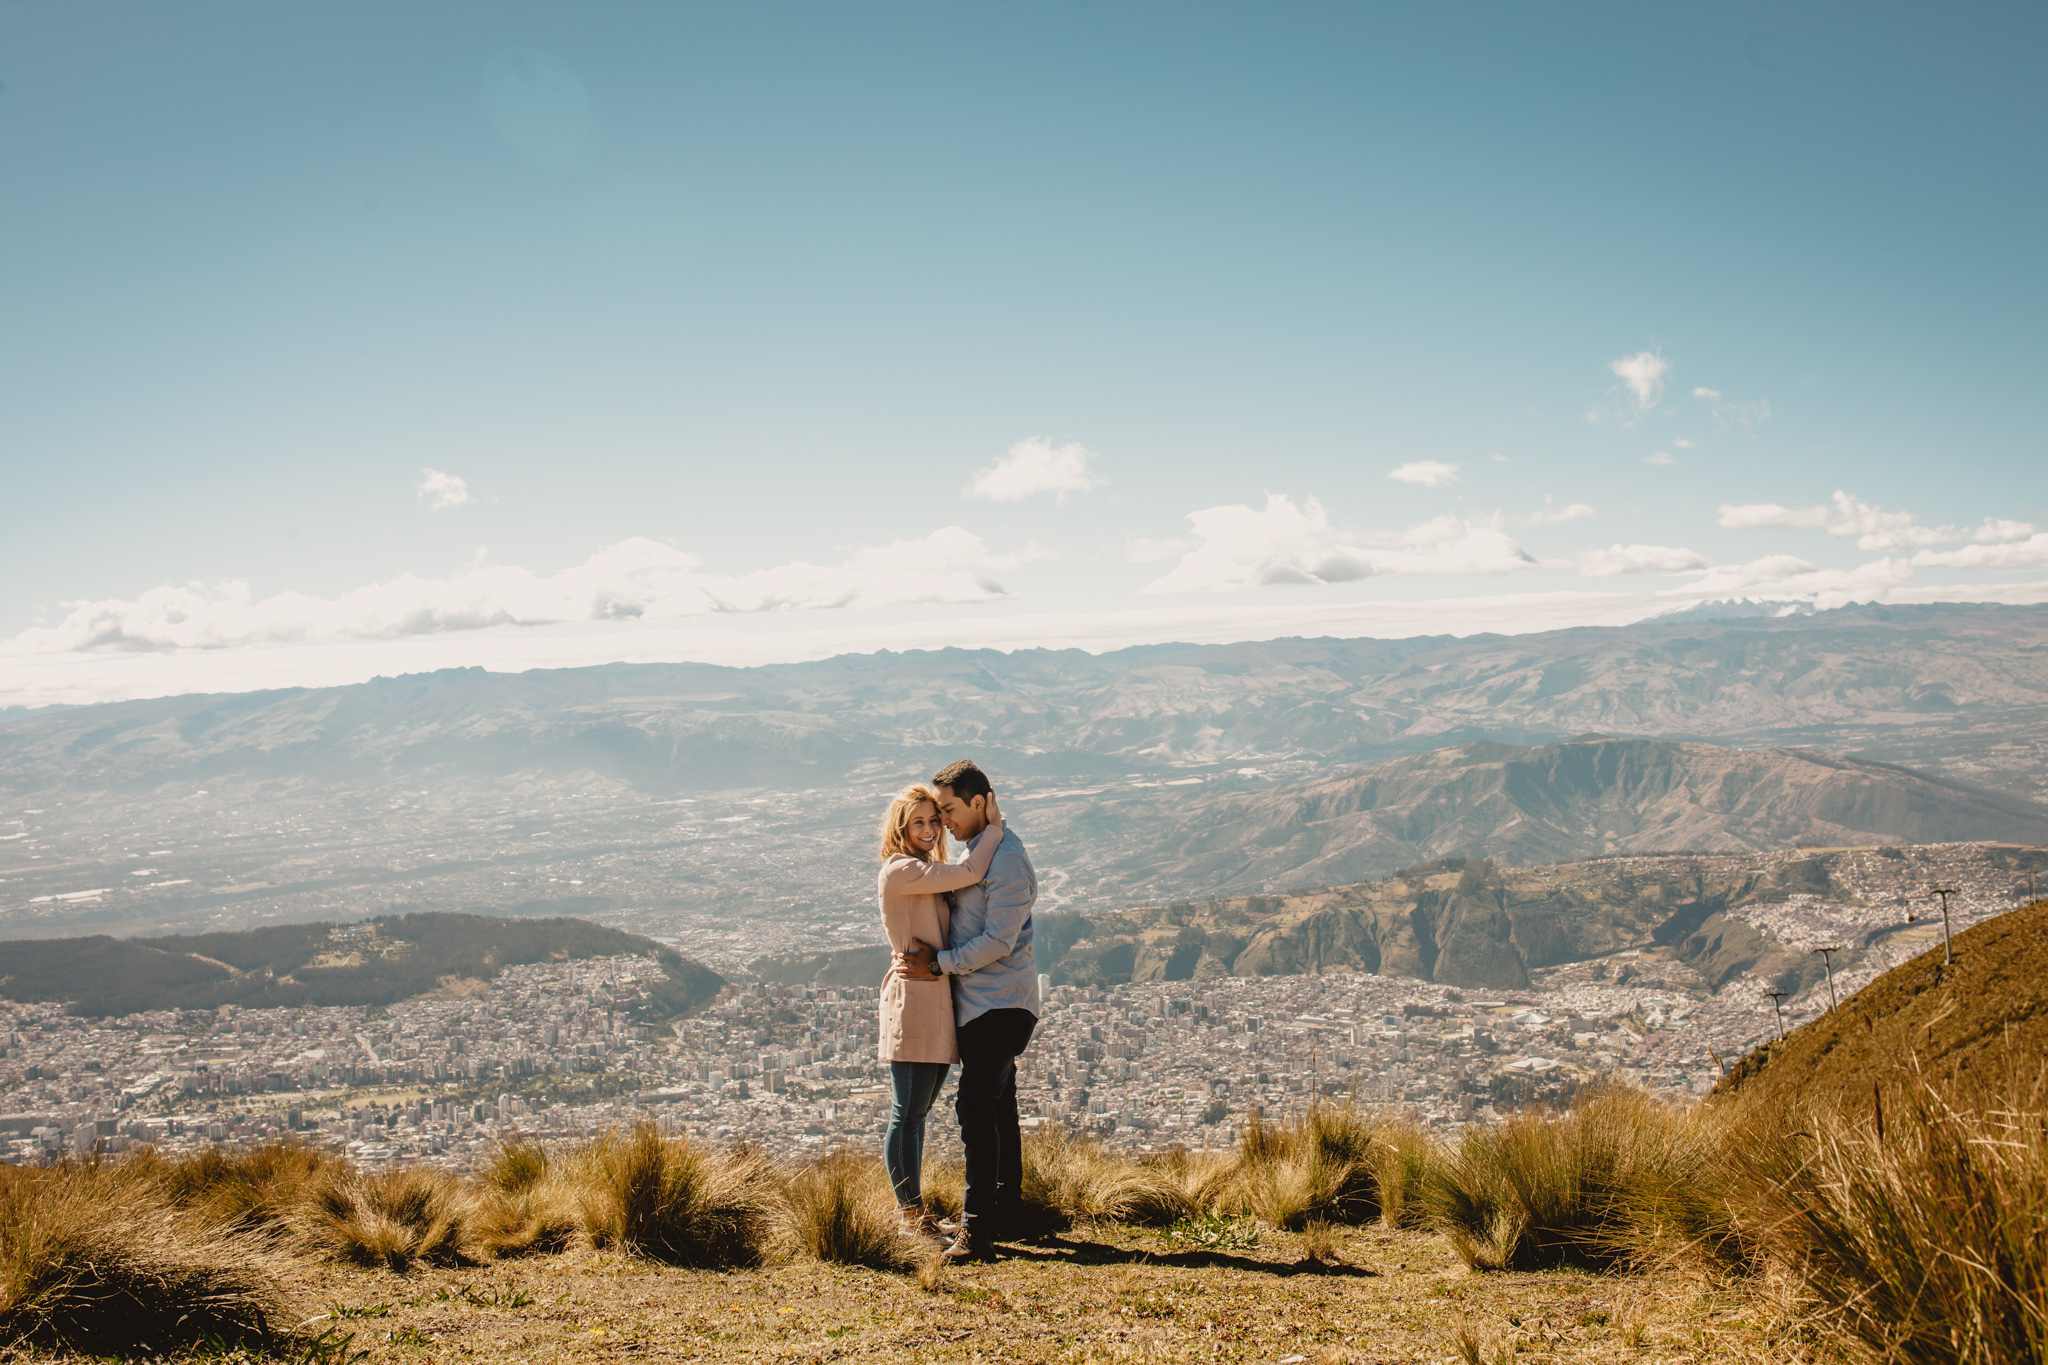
{"points": [[966, 780]]}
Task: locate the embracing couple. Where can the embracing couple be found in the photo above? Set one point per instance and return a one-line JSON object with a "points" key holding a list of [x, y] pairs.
{"points": [[962, 987]]}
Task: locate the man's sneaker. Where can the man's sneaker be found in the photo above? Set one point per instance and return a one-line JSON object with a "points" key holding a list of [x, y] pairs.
{"points": [[965, 1249]]}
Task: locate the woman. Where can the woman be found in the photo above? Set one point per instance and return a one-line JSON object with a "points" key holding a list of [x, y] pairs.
{"points": [[917, 1015]]}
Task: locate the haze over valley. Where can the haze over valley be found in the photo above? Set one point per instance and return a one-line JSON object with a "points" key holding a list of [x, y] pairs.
{"points": [[731, 810]]}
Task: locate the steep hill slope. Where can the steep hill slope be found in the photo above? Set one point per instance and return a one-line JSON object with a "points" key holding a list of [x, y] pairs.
{"points": [[1712, 919], [375, 962], [1983, 1018], [1587, 797]]}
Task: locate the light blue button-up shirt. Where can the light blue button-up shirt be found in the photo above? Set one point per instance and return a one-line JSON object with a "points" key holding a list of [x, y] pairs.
{"points": [[990, 958]]}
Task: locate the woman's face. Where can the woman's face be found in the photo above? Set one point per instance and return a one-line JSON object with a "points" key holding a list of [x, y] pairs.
{"points": [[924, 827]]}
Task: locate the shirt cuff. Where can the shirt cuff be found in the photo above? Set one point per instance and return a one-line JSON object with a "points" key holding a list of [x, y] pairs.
{"points": [[947, 962]]}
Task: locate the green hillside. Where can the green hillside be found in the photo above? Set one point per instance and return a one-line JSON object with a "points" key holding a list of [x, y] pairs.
{"points": [[371, 962]]}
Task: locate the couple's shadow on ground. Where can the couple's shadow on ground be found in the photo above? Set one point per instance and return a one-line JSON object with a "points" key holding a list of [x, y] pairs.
{"points": [[1068, 1249]]}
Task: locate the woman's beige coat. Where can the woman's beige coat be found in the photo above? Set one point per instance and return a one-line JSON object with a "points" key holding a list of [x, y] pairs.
{"points": [[917, 1015]]}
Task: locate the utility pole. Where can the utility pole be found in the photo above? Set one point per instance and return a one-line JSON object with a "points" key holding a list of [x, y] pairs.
{"points": [[1778, 1004], [1948, 955], [1828, 962]]}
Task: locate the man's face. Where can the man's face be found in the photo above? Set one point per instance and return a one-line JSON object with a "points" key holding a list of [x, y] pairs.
{"points": [[964, 819]]}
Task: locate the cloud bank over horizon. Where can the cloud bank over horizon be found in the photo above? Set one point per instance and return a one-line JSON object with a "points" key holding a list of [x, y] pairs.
{"points": [[637, 598]]}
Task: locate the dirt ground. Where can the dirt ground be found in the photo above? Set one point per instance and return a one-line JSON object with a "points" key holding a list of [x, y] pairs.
{"points": [[1095, 1294]]}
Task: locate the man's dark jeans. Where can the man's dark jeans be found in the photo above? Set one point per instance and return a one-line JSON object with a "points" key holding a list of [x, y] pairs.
{"points": [[986, 1102]]}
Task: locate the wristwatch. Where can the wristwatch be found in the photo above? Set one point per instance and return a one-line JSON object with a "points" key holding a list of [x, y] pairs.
{"points": [[937, 970]]}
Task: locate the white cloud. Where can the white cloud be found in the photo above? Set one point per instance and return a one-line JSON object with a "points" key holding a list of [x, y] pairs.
{"points": [[1706, 393], [636, 579], [1036, 465], [2031, 553], [1240, 547], [1681, 442], [1549, 514], [1788, 576], [1619, 559], [1661, 457], [1142, 550], [1643, 373], [1500, 459], [1998, 531], [1845, 515], [75, 679], [1428, 473], [438, 490]]}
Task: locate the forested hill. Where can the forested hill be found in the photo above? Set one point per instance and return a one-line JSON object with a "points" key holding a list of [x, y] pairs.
{"points": [[371, 962]]}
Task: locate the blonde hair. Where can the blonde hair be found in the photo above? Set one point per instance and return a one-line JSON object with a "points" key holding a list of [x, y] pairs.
{"points": [[896, 824]]}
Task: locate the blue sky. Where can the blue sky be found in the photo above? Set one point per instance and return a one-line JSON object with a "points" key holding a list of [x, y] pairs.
{"points": [[344, 339]]}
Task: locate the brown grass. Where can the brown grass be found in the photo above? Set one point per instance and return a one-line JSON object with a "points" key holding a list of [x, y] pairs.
{"points": [[516, 1166], [400, 1218], [842, 1209], [672, 1200], [1598, 1186], [1320, 1167], [1927, 1242], [94, 1261], [254, 1191], [1404, 1154], [944, 1188], [1070, 1179]]}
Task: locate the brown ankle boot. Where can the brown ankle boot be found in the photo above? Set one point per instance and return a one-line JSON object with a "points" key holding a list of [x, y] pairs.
{"points": [[920, 1222]]}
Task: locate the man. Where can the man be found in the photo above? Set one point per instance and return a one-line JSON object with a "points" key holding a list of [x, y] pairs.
{"points": [[995, 1008]]}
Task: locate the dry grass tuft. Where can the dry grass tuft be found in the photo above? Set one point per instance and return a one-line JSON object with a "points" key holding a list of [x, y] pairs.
{"points": [[1404, 1155], [935, 1275], [93, 1261], [842, 1209], [1926, 1242], [670, 1200], [400, 1218], [259, 1190], [944, 1187], [1178, 1185], [516, 1167], [1589, 1188], [542, 1221], [1319, 1243], [1474, 1347], [1318, 1168], [1070, 1179]]}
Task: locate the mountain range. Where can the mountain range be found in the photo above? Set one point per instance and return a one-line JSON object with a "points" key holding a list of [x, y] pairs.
{"points": [[1521, 806], [1947, 687], [695, 801]]}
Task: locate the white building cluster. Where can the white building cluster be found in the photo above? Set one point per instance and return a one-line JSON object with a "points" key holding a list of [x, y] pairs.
{"points": [[559, 1050]]}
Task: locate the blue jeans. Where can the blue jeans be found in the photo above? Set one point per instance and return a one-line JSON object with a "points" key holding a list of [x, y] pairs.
{"points": [[916, 1086]]}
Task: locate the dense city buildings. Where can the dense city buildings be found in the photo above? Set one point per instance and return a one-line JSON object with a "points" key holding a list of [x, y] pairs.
{"points": [[555, 1051]]}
